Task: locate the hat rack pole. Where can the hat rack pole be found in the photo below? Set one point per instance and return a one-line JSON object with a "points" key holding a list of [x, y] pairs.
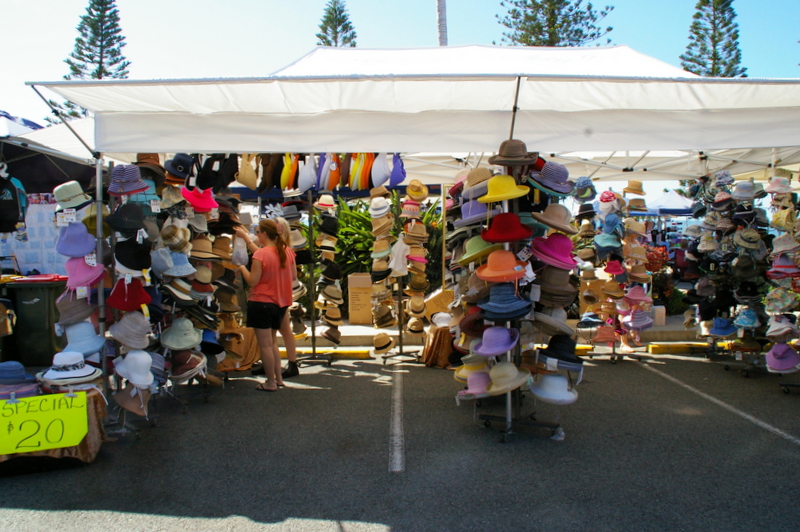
{"points": [[443, 225], [514, 109], [99, 257]]}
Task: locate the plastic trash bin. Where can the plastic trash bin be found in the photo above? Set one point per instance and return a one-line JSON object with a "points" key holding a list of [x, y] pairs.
{"points": [[34, 341]]}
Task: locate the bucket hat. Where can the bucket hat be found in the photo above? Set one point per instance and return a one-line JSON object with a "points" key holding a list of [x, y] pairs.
{"points": [[503, 187], [477, 381], [605, 335], [636, 294], [497, 341], [180, 266], [81, 274], [556, 216], [743, 191], [13, 372], [70, 366], [782, 358], [693, 231], [180, 165], [512, 152], [70, 195], [553, 388], [132, 330], [778, 185], [506, 377], [186, 363], [135, 368], [126, 179], [332, 334], [504, 303], [611, 223], [612, 289], [784, 243], [82, 337], [553, 179], [552, 321], [181, 335], [74, 240], [780, 325], [133, 255], [473, 212], [783, 266], [170, 196], [722, 201], [614, 267], [90, 220], [747, 319], [722, 327], [723, 178], [634, 187], [475, 249], [555, 250], [201, 200], [501, 266], [72, 309]]}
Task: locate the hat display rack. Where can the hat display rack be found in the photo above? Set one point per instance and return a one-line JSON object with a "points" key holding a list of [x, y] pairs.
{"points": [[325, 293], [508, 277], [746, 279]]}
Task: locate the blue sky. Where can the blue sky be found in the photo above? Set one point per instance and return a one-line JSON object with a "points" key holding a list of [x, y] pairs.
{"points": [[213, 38]]}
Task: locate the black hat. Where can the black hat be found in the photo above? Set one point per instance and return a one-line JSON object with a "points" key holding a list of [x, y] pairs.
{"points": [[381, 275], [127, 216], [303, 256], [332, 271], [562, 347], [133, 255], [707, 310], [747, 290], [586, 210], [329, 225]]}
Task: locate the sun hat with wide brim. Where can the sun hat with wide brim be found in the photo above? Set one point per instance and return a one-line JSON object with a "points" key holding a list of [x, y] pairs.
{"points": [[553, 388], [555, 250], [501, 266], [556, 216], [497, 341], [70, 365], [181, 335], [552, 321], [475, 249], [512, 152], [503, 187], [553, 179], [506, 377]]}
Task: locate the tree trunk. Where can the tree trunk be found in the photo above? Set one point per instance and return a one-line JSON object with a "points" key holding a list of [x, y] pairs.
{"points": [[441, 15]]}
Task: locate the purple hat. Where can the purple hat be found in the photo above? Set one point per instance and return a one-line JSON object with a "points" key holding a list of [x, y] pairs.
{"points": [[477, 381], [783, 266], [81, 274], [496, 341], [74, 240], [126, 179], [553, 179], [638, 320], [783, 358], [473, 212], [555, 250], [398, 174]]}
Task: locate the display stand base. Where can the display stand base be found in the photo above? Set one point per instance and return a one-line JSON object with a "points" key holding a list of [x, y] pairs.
{"points": [[530, 421], [614, 355], [415, 355]]}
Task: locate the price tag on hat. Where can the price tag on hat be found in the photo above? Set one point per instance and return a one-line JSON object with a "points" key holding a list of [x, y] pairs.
{"points": [[123, 199], [70, 216], [155, 206], [189, 210], [214, 213], [525, 253], [192, 181], [82, 292], [61, 220], [141, 235], [128, 278], [91, 259]]}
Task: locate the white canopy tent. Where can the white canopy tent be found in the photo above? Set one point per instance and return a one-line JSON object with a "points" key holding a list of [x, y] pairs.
{"points": [[445, 100]]}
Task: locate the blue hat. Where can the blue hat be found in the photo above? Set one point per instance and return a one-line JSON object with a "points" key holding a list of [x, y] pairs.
{"points": [[722, 327], [504, 303], [473, 212], [81, 337], [13, 372], [126, 179], [610, 223], [747, 319], [180, 265], [607, 240], [180, 165]]}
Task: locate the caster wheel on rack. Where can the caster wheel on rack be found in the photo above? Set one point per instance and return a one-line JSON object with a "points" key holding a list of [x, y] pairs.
{"points": [[727, 367], [613, 360], [785, 390], [487, 423]]}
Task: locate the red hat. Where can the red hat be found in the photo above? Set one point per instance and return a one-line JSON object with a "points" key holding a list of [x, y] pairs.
{"points": [[128, 296], [506, 227], [200, 200]]}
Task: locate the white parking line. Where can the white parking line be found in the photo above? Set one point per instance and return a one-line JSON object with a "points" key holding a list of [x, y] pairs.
{"points": [[764, 425], [397, 457]]}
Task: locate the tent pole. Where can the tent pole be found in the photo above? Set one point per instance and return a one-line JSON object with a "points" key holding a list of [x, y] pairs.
{"points": [[95, 154], [774, 160], [98, 165], [514, 110]]}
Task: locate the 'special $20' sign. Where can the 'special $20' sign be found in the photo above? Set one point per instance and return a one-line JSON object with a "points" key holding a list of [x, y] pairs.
{"points": [[43, 422]]}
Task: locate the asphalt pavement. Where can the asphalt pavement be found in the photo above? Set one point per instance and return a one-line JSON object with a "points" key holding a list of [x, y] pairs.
{"points": [[669, 443]]}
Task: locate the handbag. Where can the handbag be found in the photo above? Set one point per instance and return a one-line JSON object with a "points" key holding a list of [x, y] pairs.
{"points": [[247, 173], [239, 255]]}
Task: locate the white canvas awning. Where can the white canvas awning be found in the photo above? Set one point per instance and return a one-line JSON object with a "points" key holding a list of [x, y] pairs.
{"points": [[456, 99]]}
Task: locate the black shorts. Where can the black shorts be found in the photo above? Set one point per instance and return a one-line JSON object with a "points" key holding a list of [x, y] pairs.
{"points": [[264, 315]]}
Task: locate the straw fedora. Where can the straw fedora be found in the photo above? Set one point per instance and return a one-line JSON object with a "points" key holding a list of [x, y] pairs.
{"points": [[417, 191], [382, 343], [556, 216], [634, 187], [506, 377]]}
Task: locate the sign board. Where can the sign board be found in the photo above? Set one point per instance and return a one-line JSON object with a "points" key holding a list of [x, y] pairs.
{"points": [[43, 422]]}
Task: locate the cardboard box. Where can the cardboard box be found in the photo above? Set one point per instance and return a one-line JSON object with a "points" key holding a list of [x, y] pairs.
{"points": [[438, 302], [359, 290]]}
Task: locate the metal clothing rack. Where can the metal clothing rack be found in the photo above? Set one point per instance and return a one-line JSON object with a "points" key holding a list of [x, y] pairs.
{"points": [[396, 285], [315, 357]]}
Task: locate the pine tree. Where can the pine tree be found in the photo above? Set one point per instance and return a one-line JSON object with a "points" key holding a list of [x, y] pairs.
{"points": [[553, 22], [713, 48], [97, 53], [336, 29]]}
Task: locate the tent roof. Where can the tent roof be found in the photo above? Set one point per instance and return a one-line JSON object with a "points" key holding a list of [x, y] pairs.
{"points": [[419, 109], [671, 203]]}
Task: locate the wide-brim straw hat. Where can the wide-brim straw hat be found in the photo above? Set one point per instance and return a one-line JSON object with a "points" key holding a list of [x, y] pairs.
{"points": [[503, 187], [556, 216], [512, 152]]}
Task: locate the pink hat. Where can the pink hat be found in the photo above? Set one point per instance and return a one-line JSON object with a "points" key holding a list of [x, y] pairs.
{"points": [[81, 274], [607, 196], [637, 294], [555, 250], [477, 381], [782, 358], [614, 267], [200, 200]]}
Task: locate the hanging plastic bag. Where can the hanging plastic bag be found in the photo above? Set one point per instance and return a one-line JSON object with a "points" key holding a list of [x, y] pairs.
{"points": [[239, 257]]}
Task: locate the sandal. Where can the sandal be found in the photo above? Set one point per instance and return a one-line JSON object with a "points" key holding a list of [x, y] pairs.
{"points": [[262, 387]]}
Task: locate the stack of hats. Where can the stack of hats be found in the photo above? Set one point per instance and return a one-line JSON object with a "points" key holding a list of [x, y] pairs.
{"points": [[414, 238], [69, 370], [384, 259]]}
